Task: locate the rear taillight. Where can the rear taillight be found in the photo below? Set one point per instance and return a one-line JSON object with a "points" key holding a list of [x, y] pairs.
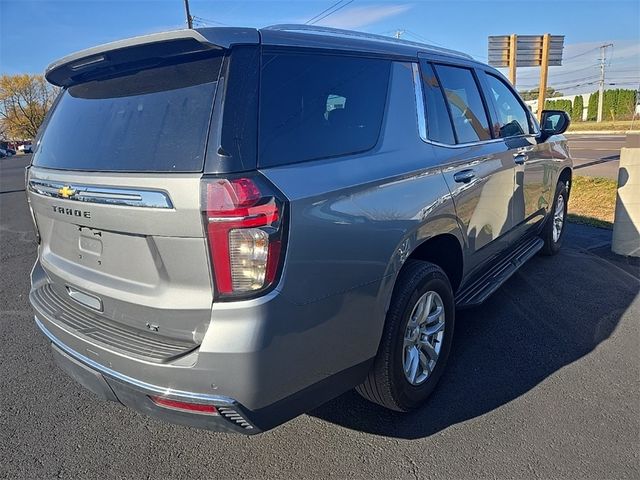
{"points": [[244, 224]]}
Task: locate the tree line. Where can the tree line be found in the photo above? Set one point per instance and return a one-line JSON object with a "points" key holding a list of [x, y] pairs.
{"points": [[24, 102], [618, 104]]}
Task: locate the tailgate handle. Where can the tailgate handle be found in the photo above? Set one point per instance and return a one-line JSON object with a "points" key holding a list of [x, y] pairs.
{"points": [[131, 197], [85, 299]]}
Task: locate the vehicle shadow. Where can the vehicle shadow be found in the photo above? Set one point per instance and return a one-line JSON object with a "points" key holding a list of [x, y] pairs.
{"points": [[548, 315]]}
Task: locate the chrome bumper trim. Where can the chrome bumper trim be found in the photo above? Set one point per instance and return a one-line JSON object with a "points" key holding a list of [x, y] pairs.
{"points": [[133, 382]]}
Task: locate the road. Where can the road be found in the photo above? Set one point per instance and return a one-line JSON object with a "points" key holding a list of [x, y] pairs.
{"points": [[596, 155], [543, 382]]}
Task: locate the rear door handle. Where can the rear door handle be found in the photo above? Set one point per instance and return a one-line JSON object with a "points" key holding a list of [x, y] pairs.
{"points": [[465, 176], [520, 158]]}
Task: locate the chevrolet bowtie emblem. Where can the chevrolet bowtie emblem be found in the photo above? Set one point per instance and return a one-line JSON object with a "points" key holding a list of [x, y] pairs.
{"points": [[66, 192]]}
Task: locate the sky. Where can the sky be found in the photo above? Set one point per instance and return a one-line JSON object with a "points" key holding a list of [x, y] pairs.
{"points": [[33, 33]]}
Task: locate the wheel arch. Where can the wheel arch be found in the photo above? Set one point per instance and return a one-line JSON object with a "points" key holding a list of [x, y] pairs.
{"points": [[566, 176], [445, 251]]}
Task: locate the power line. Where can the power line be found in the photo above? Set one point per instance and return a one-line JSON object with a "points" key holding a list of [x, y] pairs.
{"points": [[568, 87], [580, 54], [571, 72], [339, 5], [424, 39], [206, 20], [583, 84], [561, 82], [565, 83], [322, 12], [334, 11]]}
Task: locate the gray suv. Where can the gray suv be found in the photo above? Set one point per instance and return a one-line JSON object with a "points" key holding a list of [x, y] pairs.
{"points": [[237, 225]]}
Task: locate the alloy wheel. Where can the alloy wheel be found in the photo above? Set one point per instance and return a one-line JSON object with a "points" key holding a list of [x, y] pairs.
{"points": [[558, 218], [423, 338]]}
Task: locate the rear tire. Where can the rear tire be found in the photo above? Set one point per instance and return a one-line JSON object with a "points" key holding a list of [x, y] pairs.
{"points": [[416, 339], [555, 226]]}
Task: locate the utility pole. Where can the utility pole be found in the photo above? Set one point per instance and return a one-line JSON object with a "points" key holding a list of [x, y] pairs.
{"points": [[398, 33], [603, 56], [189, 17]]}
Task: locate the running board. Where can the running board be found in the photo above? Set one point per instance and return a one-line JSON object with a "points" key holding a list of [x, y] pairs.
{"points": [[478, 291]]}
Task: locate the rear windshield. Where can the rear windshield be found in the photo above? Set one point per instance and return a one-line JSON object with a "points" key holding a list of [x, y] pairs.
{"points": [[153, 120], [317, 105]]}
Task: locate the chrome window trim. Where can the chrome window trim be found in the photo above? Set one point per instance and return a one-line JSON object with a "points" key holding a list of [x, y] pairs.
{"points": [[133, 382], [482, 142], [466, 145], [102, 195], [420, 111]]}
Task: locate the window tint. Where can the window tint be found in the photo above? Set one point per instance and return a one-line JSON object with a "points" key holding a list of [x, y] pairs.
{"points": [[315, 106], [467, 111], [512, 117], [151, 120], [438, 121]]}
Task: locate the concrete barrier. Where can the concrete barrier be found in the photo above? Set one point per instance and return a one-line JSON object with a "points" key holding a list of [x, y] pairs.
{"points": [[626, 226]]}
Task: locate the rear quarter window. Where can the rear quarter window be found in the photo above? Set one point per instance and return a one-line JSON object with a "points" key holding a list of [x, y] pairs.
{"points": [[316, 106], [150, 120]]}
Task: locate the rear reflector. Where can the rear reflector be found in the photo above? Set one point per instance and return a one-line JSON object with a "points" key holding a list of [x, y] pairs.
{"points": [[184, 406]]}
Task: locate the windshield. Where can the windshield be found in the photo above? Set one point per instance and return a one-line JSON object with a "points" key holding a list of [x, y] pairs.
{"points": [[153, 120]]}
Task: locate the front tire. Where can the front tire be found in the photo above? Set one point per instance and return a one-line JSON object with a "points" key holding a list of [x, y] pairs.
{"points": [[554, 228], [416, 339]]}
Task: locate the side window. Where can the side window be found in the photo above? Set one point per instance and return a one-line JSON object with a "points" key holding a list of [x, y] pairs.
{"points": [[317, 106], [512, 117], [439, 127], [467, 111]]}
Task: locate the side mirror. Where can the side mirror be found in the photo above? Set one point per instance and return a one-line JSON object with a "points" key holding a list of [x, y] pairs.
{"points": [[553, 122]]}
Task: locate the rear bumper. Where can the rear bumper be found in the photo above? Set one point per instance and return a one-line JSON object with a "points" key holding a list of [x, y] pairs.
{"points": [[265, 359], [113, 386]]}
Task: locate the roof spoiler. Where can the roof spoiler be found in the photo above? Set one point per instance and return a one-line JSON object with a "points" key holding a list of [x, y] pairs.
{"points": [[151, 49]]}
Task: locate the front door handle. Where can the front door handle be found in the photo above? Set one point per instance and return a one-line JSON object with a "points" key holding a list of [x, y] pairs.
{"points": [[520, 158], [465, 176]]}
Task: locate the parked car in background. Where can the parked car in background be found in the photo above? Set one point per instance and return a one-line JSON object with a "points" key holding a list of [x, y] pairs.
{"points": [[26, 148], [229, 260], [3, 153]]}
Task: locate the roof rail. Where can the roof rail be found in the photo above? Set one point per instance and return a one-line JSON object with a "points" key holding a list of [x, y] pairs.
{"points": [[292, 27]]}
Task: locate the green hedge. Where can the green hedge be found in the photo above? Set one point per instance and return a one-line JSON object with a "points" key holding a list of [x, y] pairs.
{"points": [[618, 104], [576, 111], [592, 106], [559, 105]]}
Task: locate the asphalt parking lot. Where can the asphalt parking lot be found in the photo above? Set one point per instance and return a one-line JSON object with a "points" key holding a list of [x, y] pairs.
{"points": [[543, 382], [596, 155]]}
